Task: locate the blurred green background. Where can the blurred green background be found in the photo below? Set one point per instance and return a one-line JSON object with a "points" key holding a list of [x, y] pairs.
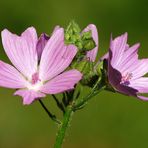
{"points": [[109, 120]]}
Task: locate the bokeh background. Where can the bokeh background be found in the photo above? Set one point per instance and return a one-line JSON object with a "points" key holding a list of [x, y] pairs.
{"points": [[109, 120]]}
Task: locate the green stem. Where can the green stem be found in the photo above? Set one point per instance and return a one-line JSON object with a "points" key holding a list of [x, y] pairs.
{"points": [[84, 100], [63, 127], [93, 93], [53, 117]]}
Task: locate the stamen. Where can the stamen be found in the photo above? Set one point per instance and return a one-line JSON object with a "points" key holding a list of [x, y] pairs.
{"points": [[35, 82], [35, 78], [126, 79]]}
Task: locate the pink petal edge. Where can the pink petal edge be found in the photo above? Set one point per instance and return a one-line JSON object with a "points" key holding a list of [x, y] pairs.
{"points": [[29, 95]]}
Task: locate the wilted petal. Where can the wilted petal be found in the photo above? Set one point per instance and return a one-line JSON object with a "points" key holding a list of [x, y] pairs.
{"points": [[62, 82], [56, 56], [21, 50], [92, 53], [41, 44], [29, 95], [10, 77]]}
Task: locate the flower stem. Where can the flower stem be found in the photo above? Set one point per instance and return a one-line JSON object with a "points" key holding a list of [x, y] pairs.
{"points": [[59, 104], [95, 90], [53, 117], [63, 127]]}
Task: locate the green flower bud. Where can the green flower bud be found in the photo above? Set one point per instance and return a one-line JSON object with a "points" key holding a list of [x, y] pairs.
{"points": [[89, 44], [83, 41], [79, 45], [67, 36], [86, 68], [81, 66], [86, 35]]}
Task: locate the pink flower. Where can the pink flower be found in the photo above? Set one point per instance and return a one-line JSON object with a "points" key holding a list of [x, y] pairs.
{"points": [[33, 78], [91, 55], [125, 70]]}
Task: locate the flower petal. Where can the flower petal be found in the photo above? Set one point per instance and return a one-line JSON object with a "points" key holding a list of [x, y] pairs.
{"points": [[115, 79], [29, 95], [62, 82], [126, 90], [113, 74], [141, 84], [21, 50], [92, 53], [131, 54], [118, 46], [56, 56], [55, 29], [141, 69], [10, 77], [143, 98]]}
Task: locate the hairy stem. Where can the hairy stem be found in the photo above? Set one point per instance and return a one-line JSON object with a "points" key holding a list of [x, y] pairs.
{"points": [[63, 127]]}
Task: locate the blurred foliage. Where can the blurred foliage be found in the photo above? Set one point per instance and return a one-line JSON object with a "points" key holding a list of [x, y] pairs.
{"points": [[109, 120]]}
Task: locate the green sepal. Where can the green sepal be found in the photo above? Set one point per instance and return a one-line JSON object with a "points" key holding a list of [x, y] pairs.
{"points": [[83, 66], [86, 35], [88, 44]]}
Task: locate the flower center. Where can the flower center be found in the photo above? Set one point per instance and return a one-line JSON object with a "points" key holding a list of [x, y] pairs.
{"points": [[35, 78], [35, 83], [126, 79]]}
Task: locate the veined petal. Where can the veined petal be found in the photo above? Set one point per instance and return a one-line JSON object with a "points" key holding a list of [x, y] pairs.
{"points": [[115, 79], [92, 53], [141, 84], [136, 67], [118, 46], [29, 95], [10, 77], [56, 56], [131, 54], [21, 50], [129, 65], [141, 69], [62, 82]]}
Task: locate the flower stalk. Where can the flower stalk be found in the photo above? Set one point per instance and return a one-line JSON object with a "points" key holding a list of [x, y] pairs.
{"points": [[53, 117], [63, 127], [71, 109]]}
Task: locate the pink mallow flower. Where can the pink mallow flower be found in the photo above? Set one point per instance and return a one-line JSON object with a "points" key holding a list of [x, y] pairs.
{"points": [[38, 64], [125, 70], [91, 55]]}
